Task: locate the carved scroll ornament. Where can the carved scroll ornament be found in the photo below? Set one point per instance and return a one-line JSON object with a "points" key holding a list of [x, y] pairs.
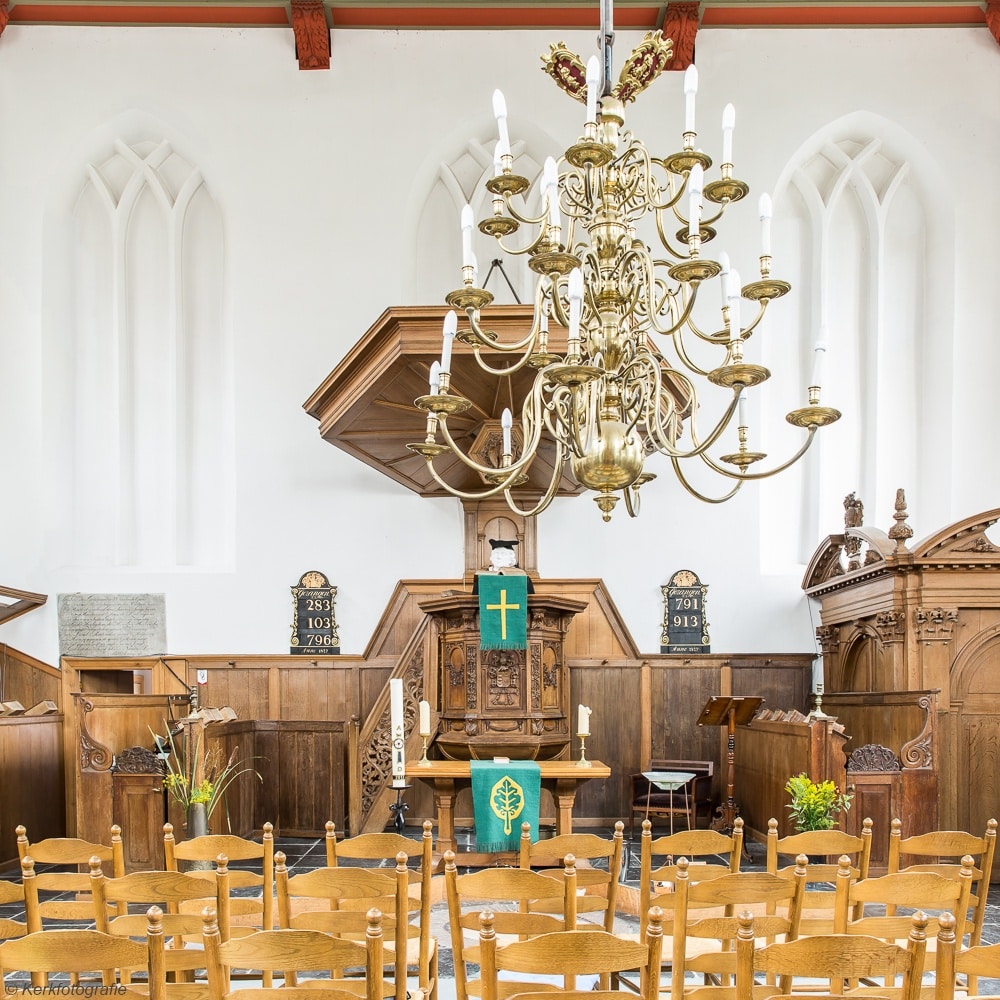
{"points": [[873, 758], [94, 756]]}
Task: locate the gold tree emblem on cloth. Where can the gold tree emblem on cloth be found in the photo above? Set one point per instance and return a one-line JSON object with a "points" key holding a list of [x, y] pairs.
{"points": [[507, 802]]}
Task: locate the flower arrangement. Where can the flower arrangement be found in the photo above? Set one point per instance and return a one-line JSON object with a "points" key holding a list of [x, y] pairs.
{"points": [[816, 804], [196, 775]]}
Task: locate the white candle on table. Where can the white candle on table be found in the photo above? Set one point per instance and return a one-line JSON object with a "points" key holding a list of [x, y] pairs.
{"points": [[583, 721], [396, 733], [425, 718]]}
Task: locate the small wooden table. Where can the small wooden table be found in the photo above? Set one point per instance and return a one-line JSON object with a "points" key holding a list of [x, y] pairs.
{"points": [[448, 777]]}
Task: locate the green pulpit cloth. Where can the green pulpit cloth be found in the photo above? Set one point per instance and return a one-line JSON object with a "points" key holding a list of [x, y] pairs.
{"points": [[503, 797], [503, 611]]}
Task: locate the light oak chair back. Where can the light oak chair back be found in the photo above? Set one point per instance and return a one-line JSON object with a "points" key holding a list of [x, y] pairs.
{"points": [[245, 913], [569, 954], [838, 959], [600, 884], [709, 853], [956, 964], [293, 952], [10, 927], [336, 902], [941, 851], [825, 850], [489, 888], [706, 919], [421, 954], [67, 951], [60, 866]]}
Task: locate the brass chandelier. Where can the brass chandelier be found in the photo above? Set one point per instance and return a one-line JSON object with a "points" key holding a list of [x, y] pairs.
{"points": [[614, 397]]}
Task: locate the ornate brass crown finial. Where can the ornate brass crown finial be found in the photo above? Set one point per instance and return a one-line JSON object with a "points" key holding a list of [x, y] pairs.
{"points": [[647, 60]]}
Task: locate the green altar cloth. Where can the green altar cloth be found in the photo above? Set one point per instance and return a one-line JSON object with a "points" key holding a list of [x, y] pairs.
{"points": [[503, 797]]}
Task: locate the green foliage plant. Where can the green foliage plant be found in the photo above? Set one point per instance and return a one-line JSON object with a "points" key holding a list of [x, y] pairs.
{"points": [[815, 804], [189, 759]]}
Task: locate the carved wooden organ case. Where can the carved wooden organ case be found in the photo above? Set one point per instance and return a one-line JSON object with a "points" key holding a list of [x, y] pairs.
{"points": [[512, 703]]}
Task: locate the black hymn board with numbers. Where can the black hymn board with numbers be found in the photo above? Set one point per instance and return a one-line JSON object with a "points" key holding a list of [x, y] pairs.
{"points": [[685, 627], [314, 628]]}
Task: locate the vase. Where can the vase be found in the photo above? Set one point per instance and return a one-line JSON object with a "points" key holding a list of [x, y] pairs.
{"points": [[197, 826]]}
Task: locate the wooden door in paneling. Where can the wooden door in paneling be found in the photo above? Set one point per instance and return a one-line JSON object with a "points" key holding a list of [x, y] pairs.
{"points": [[138, 808], [877, 796]]}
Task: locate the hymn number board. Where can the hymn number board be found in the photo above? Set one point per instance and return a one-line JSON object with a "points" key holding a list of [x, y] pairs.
{"points": [[685, 627], [314, 629]]}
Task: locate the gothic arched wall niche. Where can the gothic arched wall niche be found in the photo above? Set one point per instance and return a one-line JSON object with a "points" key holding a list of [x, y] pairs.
{"points": [[864, 244], [142, 358]]}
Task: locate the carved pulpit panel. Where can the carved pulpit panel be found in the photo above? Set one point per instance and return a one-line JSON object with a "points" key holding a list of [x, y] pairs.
{"points": [[503, 702]]}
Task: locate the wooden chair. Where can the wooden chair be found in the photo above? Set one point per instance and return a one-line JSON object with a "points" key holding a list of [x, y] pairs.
{"points": [[705, 923], [246, 913], [347, 895], [600, 885], [62, 890], [648, 800], [168, 891], [292, 952], [490, 888], [836, 958], [568, 954], [72, 952], [10, 927], [946, 848], [421, 954], [819, 902], [709, 854], [971, 963]]}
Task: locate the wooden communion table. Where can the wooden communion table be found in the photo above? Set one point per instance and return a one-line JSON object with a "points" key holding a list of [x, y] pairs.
{"points": [[448, 777]]}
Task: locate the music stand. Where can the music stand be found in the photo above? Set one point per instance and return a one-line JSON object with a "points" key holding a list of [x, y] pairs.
{"points": [[731, 712]]}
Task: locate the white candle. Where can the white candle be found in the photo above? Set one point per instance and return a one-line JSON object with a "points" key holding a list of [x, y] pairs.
{"points": [[734, 304], [436, 377], [583, 721], [818, 357], [593, 83], [396, 733], [690, 89], [575, 302], [728, 124], [743, 409], [696, 181], [468, 221], [497, 160], [506, 423], [765, 225], [500, 113], [550, 191], [724, 276], [448, 340], [425, 718]]}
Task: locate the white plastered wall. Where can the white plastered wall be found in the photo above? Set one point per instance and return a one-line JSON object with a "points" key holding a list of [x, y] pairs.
{"points": [[322, 202]]}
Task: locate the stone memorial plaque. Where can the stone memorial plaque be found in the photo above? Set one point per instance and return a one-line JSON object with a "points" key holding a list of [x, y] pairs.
{"points": [[112, 624]]}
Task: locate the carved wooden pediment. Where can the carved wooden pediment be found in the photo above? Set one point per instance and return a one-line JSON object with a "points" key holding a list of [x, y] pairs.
{"points": [[841, 560], [871, 758], [962, 544]]}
